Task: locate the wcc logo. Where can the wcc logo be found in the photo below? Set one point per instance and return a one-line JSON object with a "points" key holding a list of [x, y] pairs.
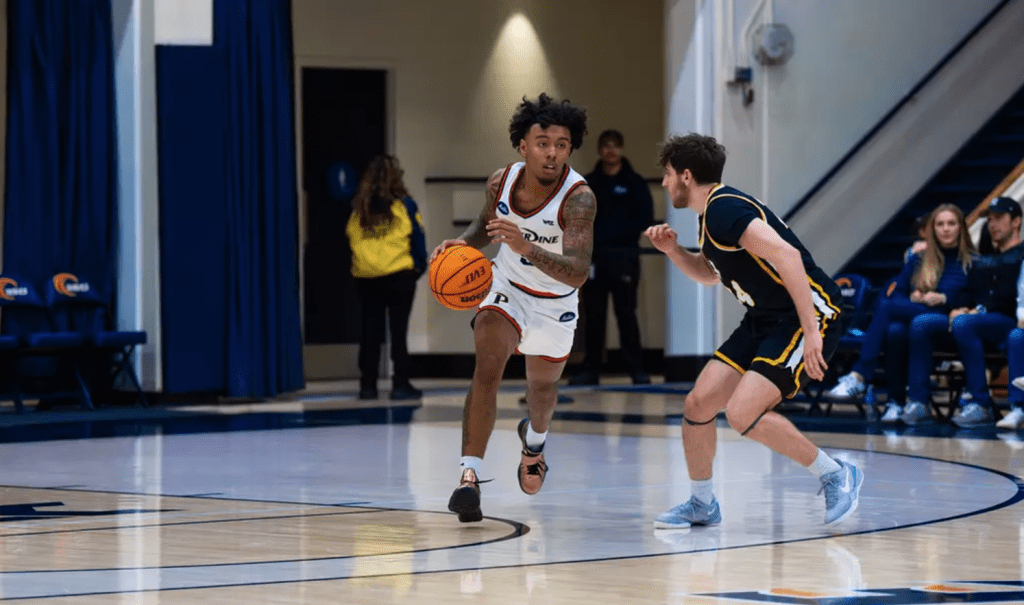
{"points": [[9, 289], [846, 287], [986, 591], [67, 284]]}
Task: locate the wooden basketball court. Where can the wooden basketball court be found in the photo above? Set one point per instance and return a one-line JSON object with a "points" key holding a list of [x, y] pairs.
{"points": [[323, 499]]}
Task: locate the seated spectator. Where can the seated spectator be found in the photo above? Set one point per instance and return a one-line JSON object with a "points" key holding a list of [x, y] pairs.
{"points": [[930, 282], [919, 231], [1014, 419], [986, 317]]}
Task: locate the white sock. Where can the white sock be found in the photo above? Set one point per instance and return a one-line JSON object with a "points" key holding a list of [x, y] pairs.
{"points": [[702, 491], [472, 462], [823, 465], [535, 440]]}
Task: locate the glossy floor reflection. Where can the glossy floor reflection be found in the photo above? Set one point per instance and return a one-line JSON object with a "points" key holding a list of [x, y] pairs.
{"points": [[322, 499]]}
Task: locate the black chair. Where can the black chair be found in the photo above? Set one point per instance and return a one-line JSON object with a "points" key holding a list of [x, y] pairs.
{"points": [[79, 305], [858, 297], [42, 356]]}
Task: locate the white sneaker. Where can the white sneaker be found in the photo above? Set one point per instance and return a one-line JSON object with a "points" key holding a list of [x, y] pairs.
{"points": [[1014, 419], [1018, 382], [893, 411], [849, 387]]}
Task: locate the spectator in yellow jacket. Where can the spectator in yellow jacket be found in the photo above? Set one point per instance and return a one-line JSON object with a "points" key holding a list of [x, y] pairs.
{"points": [[389, 254]]}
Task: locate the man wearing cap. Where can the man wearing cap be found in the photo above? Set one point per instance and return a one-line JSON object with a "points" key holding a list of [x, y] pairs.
{"points": [[990, 312]]}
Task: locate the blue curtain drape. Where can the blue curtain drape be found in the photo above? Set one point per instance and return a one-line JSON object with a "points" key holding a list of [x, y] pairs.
{"points": [[61, 191], [228, 206], [264, 347]]}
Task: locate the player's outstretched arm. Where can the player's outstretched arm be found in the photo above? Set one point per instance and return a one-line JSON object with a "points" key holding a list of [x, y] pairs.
{"points": [[572, 266], [764, 242], [475, 234], [695, 266]]}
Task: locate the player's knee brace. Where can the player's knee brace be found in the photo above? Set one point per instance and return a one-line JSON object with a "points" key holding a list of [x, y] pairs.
{"points": [[753, 424], [692, 423]]}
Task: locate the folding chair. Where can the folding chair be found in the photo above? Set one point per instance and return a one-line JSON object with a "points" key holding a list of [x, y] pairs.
{"points": [[42, 354], [8, 348], [858, 296], [78, 305]]}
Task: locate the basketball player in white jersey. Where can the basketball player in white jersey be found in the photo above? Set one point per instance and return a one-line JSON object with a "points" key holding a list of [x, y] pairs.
{"points": [[541, 213]]}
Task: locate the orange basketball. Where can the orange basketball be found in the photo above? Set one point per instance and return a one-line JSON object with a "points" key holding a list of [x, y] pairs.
{"points": [[460, 277]]}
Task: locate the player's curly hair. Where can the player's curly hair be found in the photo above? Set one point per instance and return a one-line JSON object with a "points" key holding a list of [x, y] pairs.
{"points": [[702, 155], [548, 112]]}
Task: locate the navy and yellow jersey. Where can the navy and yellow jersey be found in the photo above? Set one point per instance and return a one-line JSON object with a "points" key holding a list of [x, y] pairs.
{"points": [[753, 280], [389, 248]]}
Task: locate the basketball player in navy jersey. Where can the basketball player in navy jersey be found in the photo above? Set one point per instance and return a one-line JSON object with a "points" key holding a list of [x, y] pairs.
{"points": [[541, 213], [790, 330]]}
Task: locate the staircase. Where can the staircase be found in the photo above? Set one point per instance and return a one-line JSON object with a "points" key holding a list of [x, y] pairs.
{"points": [[972, 173]]}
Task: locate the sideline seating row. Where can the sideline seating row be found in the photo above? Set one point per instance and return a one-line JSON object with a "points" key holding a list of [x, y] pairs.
{"points": [[59, 342], [859, 296]]}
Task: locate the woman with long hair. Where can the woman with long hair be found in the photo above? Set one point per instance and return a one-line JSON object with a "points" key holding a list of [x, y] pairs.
{"points": [[389, 254], [932, 281]]}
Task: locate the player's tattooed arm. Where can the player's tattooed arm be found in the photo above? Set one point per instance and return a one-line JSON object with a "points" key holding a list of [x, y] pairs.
{"points": [[572, 266], [476, 234]]}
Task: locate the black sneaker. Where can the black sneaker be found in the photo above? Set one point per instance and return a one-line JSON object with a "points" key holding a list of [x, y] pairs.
{"points": [[640, 377], [368, 393], [465, 499], [406, 392], [586, 377]]}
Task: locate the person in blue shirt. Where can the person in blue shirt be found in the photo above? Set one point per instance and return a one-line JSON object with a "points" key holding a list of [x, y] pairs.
{"points": [[986, 317], [389, 254], [933, 281]]}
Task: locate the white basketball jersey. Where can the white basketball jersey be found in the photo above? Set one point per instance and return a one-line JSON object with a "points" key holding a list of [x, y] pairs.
{"points": [[542, 227]]}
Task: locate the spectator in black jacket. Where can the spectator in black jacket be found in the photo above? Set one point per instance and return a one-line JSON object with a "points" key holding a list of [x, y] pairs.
{"points": [[991, 310], [624, 209]]}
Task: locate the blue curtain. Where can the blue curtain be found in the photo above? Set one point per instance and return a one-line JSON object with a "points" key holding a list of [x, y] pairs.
{"points": [[191, 145], [61, 192], [264, 346], [228, 203]]}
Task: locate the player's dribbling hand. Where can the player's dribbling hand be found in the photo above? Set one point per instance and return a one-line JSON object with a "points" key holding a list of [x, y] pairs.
{"points": [[662, 236], [448, 243]]}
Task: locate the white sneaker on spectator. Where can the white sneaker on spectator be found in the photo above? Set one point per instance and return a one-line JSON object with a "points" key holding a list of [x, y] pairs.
{"points": [[893, 411], [1018, 382], [915, 413], [1013, 420], [972, 414], [849, 387]]}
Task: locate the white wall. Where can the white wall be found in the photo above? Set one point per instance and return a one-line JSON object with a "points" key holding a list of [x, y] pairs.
{"points": [[138, 287], [3, 121], [853, 61], [690, 95], [459, 69]]}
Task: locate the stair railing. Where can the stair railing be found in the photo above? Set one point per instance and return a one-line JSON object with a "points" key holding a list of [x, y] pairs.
{"points": [[1012, 182]]}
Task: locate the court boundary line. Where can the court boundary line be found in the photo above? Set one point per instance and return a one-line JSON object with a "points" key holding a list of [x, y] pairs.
{"points": [[1017, 497]]}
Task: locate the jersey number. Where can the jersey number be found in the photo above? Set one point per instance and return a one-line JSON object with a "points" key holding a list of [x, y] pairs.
{"points": [[741, 294]]}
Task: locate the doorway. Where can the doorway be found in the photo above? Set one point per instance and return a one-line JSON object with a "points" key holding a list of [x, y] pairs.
{"points": [[344, 123]]}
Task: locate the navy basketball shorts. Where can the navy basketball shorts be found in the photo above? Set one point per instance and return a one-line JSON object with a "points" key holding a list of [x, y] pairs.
{"points": [[773, 346]]}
